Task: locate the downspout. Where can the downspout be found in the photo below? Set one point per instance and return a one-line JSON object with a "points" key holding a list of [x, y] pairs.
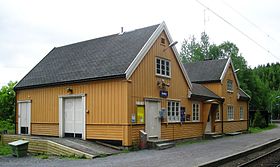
{"points": [[15, 107], [222, 104], [248, 120]]}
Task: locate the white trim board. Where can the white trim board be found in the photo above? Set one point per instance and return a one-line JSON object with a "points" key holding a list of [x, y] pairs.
{"points": [[229, 62]]}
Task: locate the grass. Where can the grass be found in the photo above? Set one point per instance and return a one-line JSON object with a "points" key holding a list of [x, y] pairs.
{"points": [[41, 156], [258, 130], [5, 150]]}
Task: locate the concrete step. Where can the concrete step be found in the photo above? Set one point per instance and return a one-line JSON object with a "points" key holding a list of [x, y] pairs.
{"points": [[153, 138], [217, 136], [161, 146], [212, 135], [233, 133]]}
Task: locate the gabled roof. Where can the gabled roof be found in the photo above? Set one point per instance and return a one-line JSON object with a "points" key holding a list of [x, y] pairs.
{"points": [[114, 56], [206, 71], [243, 95], [201, 92]]}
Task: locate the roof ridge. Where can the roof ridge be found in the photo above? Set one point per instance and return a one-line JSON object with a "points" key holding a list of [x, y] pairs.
{"points": [[200, 61], [106, 36]]}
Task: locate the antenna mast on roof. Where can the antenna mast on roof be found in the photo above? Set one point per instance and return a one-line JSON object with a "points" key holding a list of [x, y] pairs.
{"points": [[121, 31]]}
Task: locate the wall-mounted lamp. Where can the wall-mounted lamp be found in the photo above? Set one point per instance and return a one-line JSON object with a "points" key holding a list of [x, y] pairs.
{"points": [[235, 71], [69, 90], [170, 45]]}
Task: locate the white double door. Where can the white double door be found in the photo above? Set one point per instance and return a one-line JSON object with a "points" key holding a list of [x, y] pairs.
{"points": [[73, 116]]}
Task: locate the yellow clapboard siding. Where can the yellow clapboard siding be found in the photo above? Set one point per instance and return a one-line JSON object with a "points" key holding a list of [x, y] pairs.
{"points": [[99, 102], [181, 131], [44, 129], [233, 126], [110, 132]]}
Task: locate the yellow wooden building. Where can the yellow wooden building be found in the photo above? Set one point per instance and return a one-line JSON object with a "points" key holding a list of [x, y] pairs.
{"points": [[112, 87]]}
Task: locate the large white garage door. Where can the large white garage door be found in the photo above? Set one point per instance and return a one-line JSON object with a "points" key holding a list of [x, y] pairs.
{"points": [[73, 117]]}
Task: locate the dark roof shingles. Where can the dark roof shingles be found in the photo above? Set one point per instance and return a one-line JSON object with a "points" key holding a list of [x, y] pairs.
{"points": [[200, 90], [96, 58], [205, 71]]}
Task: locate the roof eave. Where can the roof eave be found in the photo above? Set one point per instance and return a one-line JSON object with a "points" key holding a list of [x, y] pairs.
{"points": [[70, 82], [208, 81], [203, 97]]}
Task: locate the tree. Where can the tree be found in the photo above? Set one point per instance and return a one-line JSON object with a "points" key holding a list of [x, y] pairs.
{"points": [[7, 102]]}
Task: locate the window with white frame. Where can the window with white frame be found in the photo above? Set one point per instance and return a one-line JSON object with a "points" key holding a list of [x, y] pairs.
{"points": [[229, 85], [195, 112], [173, 111], [163, 67], [218, 115], [241, 113], [230, 113]]}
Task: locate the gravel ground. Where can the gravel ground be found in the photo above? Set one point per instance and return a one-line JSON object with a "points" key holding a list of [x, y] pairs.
{"points": [[269, 161], [253, 156], [182, 155]]}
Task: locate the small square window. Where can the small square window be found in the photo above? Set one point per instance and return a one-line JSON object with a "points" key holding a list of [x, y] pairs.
{"points": [[162, 41]]}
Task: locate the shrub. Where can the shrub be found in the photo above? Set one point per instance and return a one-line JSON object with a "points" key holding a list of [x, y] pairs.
{"points": [[259, 121], [6, 125]]}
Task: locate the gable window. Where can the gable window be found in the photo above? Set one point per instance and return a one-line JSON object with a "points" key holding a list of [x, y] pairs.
{"points": [[195, 112], [163, 67], [230, 113], [162, 41], [173, 111], [229, 85], [241, 113]]}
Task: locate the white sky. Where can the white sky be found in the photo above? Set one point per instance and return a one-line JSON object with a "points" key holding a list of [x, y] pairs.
{"points": [[29, 29]]}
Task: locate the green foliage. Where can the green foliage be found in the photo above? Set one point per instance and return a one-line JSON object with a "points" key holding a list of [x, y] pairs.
{"points": [[258, 130], [7, 102], [7, 125], [42, 156], [259, 121], [5, 150]]}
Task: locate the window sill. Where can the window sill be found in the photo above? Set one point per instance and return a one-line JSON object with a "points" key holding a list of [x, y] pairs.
{"points": [[230, 120], [163, 76], [230, 91]]}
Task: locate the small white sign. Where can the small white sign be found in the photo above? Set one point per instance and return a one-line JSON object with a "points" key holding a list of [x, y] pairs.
{"points": [[140, 103]]}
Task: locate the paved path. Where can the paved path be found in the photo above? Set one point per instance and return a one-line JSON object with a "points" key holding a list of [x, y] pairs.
{"points": [[182, 155]]}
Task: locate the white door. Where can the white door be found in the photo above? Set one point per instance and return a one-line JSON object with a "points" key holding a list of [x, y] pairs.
{"points": [[208, 128], [152, 121], [24, 116], [73, 117]]}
